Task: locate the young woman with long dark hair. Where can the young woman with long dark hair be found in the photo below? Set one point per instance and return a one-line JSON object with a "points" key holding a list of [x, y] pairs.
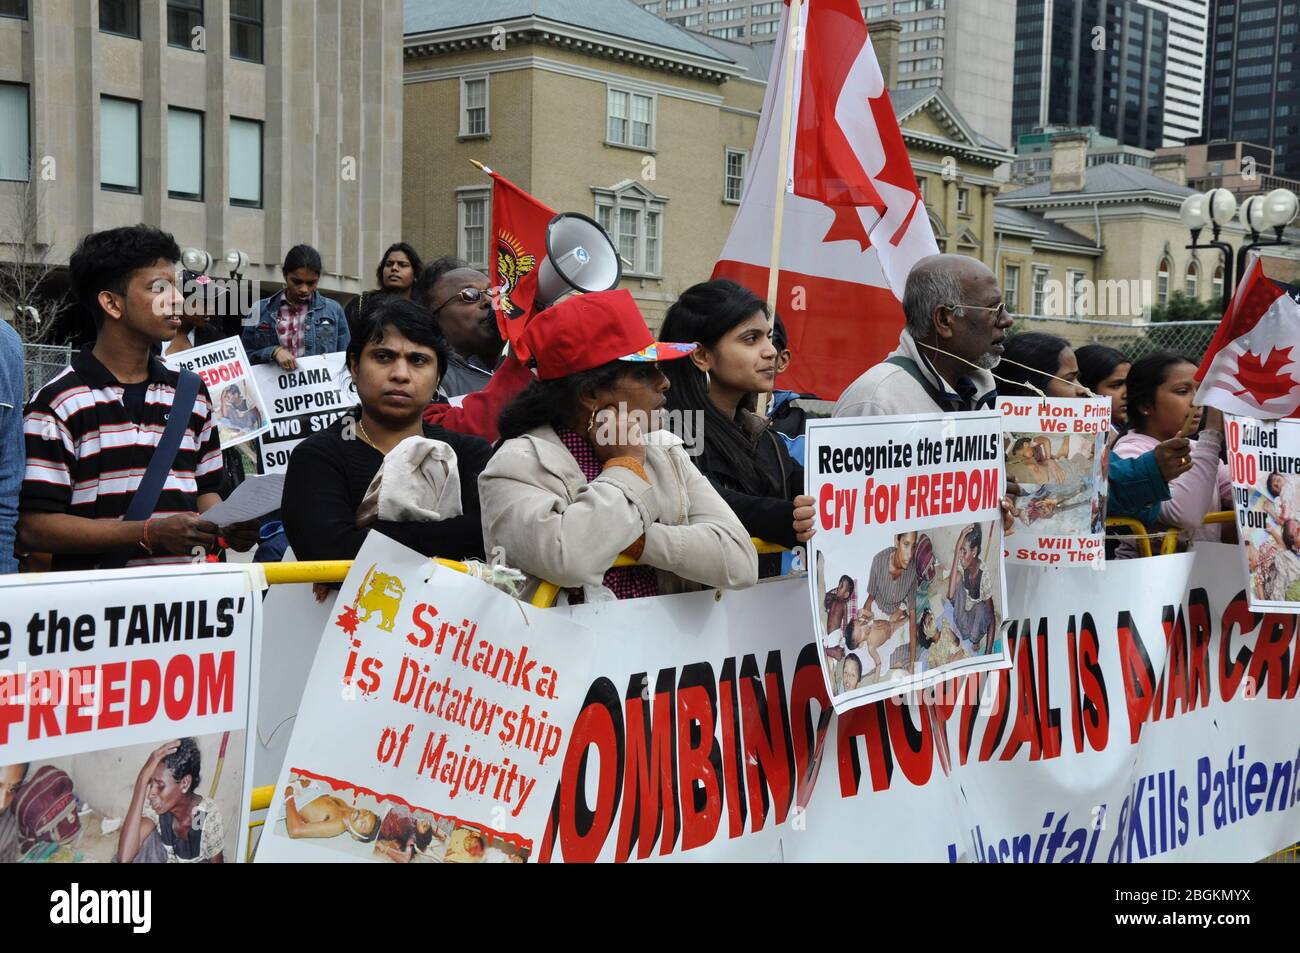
{"points": [[739, 451]]}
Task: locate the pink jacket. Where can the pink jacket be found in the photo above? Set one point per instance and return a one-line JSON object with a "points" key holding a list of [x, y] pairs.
{"points": [[1205, 488]]}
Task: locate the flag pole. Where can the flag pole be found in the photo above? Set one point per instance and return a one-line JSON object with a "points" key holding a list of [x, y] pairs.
{"points": [[782, 171]]}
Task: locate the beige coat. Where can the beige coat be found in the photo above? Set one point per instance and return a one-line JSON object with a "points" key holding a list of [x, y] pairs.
{"points": [[552, 524]]}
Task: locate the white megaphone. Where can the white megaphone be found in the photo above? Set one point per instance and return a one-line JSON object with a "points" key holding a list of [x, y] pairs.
{"points": [[580, 257]]}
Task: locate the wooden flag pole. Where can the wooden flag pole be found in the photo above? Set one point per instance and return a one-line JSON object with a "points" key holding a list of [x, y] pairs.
{"points": [[782, 172]]}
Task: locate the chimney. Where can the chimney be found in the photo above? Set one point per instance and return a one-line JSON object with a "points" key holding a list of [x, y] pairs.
{"points": [[884, 40], [1069, 162], [1171, 168]]}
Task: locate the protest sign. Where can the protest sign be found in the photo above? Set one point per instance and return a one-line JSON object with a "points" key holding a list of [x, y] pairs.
{"points": [[1056, 453], [301, 402], [432, 722], [237, 404], [1148, 716], [906, 566], [1264, 460], [100, 675]]}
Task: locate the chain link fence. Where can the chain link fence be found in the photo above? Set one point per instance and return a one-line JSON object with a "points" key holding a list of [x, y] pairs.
{"points": [[1187, 338], [44, 362]]}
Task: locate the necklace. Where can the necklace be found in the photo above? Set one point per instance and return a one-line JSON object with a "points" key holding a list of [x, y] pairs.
{"points": [[361, 429]]}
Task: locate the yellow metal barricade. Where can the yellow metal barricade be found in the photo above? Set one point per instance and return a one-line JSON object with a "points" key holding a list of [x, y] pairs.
{"points": [[1170, 544], [1141, 538]]}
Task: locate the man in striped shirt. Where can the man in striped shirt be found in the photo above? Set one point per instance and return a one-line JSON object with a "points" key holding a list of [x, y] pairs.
{"points": [[91, 432]]}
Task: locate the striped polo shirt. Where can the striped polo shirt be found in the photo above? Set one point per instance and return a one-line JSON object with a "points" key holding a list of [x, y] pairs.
{"points": [[86, 455]]}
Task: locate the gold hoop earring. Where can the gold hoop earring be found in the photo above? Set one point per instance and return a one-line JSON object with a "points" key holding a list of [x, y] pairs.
{"points": [[591, 424], [708, 382]]}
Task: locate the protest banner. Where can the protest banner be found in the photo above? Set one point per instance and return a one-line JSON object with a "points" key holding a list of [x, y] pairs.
{"points": [[101, 674], [1147, 716], [906, 565], [237, 404], [1264, 460], [1056, 453], [301, 403], [432, 722]]}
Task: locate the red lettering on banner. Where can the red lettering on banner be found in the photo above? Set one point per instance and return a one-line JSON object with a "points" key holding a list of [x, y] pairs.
{"points": [[1270, 663], [1096, 701], [729, 719], [1198, 652], [809, 739], [81, 693], [581, 832], [423, 611], [1138, 674], [913, 747], [648, 771], [45, 692], [1236, 616], [997, 724], [700, 790], [217, 684], [1076, 702], [1025, 728], [112, 694], [1175, 666], [768, 754], [867, 722]]}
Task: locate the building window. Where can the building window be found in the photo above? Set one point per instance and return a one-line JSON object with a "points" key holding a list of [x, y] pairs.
{"points": [[474, 106], [1193, 280], [185, 154], [1162, 281], [1216, 284], [246, 30], [1041, 274], [472, 226], [875, 10], [963, 201], [633, 217], [120, 17], [14, 8], [15, 133], [763, 28], [920, 187], [185, 24], [245, 163], [735, 175], [119, 144], [1074, 289], [631, 119], [1011, 287]]}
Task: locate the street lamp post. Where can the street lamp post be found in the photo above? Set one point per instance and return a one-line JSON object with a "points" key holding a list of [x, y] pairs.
{"points": [[1215, 208], [1276, 210]]}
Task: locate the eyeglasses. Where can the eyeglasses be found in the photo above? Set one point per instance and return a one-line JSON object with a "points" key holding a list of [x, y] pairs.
{"points": [[999, 310], [468, 295]]}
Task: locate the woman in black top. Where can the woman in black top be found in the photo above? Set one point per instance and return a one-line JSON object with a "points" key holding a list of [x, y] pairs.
{"points": [[396, 362], [397, 274], [737, 450]]}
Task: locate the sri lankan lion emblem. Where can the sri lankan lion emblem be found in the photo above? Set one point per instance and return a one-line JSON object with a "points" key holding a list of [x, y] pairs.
{"points": [[383, 596], [512, 265]]}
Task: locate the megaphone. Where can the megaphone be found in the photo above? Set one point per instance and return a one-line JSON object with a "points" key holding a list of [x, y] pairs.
{"points": [[580, 257]]}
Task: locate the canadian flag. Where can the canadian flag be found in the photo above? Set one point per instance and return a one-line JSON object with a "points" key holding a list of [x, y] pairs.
{"points": [[854, 222], [1251, 368]]}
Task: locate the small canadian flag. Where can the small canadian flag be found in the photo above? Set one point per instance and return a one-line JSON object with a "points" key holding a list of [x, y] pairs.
{"points": [[1252, 367]]}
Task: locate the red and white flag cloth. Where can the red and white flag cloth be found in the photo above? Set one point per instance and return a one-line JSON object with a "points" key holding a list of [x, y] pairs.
{"points": [[854, 222], [1252, 367]]}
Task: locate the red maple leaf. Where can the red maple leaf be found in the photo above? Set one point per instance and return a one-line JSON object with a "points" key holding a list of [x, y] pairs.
{"points": [[1263, 379], [847, 227], [348, 621]]}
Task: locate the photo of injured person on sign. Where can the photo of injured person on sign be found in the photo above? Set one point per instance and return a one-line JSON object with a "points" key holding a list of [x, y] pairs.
{"points": [[1056, 455]]}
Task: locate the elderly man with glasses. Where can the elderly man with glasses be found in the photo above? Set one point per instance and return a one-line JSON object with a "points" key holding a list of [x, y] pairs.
{"points": [[956, 324]]}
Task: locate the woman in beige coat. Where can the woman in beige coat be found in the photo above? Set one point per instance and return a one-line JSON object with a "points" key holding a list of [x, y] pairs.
{"points": [[583, 474]]}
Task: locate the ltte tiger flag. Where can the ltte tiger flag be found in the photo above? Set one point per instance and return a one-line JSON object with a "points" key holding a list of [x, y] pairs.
{"points": [[518, 245], [854, 222]]}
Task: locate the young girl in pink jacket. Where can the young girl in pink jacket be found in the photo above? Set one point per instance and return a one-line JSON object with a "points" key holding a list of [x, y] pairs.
{"points": [[1161, 388]]}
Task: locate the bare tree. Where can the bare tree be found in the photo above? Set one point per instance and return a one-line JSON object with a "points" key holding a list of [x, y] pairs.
{"points": [[26, 265]]}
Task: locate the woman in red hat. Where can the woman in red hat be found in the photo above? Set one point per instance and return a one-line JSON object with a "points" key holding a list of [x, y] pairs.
{"points": [[584, 475]]}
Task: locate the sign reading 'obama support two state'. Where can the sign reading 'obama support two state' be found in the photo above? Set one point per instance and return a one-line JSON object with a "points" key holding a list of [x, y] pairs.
{"points": [[905, 569]]}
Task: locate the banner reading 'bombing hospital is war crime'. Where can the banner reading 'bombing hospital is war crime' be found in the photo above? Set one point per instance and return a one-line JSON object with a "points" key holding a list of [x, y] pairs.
{"points": [[100, 673], [905, 569], [1056, 453], [1146, 716]]}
